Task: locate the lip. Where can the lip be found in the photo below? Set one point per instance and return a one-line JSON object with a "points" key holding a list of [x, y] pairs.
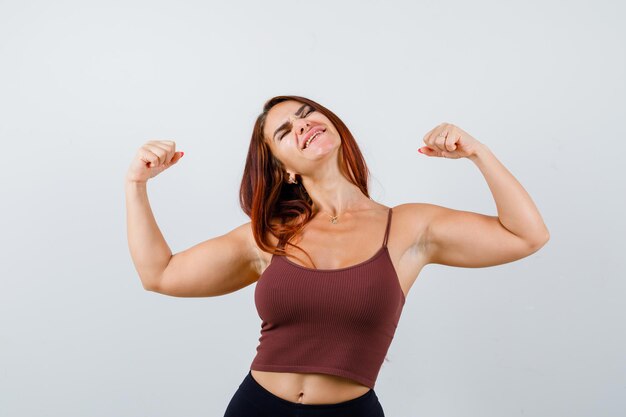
{"points": [[309, 134]]}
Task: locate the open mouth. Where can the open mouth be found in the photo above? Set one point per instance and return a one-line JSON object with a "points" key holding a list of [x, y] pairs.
{"points": [[312, 138]]}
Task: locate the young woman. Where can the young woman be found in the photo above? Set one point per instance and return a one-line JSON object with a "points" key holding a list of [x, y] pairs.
{"points": [[332, 267]]}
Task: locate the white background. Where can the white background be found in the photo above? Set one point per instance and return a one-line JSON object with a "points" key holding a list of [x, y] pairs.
{"points": [[84, 84]]}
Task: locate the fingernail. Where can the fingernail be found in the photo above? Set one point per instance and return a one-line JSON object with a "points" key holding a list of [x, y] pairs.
{"points": [[420, 150], [181, 154]]}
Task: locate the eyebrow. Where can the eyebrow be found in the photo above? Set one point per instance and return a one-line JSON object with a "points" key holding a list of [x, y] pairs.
{"points": [[284, 125]]}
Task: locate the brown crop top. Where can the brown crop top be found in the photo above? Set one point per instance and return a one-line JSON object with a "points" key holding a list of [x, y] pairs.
{"points": [[331, 321]]}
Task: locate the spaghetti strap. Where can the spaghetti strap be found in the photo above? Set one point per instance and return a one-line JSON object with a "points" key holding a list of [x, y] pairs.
{"points": [[387, 231], [279, 245]]}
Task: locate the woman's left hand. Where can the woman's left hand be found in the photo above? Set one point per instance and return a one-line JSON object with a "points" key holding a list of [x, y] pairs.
{"points": [[449, 141]]}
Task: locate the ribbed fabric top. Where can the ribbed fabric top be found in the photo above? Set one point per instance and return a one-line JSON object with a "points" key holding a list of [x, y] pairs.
{"points": [[332, 321]]}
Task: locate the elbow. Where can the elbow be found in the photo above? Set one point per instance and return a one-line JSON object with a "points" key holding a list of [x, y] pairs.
{"points": [[540, 241], [151, 284]]}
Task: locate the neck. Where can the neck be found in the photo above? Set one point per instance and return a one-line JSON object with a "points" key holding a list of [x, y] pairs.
{"points": [[336, 202], [331, 192]]}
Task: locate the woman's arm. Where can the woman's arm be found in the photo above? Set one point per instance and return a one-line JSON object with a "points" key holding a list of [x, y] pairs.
{"points": [[467, 239], [516, 210], [217, 266], [148, 248]]}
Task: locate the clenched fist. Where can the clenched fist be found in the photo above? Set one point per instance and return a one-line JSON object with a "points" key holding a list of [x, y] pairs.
{"points": [[449, 141], [154, 157]]}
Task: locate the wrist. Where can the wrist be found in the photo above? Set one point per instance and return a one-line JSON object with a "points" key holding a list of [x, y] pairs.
{"points": [[134, 184], [479, 151]]}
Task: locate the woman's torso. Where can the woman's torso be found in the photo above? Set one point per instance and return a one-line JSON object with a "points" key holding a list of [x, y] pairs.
{"points": [[356, 237]]}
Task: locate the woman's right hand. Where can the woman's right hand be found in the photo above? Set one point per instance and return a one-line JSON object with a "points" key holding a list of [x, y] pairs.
{"points": [[154, 157]]}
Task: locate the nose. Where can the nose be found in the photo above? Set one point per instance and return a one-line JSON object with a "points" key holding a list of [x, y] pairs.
{"points": [[298, 124]]}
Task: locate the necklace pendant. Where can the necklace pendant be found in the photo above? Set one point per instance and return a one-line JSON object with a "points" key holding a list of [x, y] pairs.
{"points": [[333, 220]]}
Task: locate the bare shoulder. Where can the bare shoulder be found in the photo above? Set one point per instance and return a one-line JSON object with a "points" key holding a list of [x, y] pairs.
{"points": [[259, 258], [250, 249], [412, 219]]}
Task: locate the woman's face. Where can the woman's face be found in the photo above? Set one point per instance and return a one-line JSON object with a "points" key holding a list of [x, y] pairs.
{"points": [[289, 125]]}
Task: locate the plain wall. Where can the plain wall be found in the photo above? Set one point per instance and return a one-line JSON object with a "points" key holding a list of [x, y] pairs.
{"points": [[84, 84]]}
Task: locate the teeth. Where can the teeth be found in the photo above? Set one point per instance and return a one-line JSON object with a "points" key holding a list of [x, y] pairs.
{"points": [[306, 145]]}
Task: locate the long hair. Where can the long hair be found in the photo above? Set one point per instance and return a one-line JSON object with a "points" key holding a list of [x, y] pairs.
{"points": [[265, 196]]}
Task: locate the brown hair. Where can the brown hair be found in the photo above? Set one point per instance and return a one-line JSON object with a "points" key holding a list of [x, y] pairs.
{"points": [[264, 195]]}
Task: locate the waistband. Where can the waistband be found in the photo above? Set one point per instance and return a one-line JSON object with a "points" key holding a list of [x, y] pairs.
{"points": [[260, 395]]}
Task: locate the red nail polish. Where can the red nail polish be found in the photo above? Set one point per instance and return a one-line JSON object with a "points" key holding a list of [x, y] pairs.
{"points": [[420, 150]]}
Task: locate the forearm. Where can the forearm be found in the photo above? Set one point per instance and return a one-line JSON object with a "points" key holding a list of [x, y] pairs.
{"points": [[516, 210], [148, 248]]}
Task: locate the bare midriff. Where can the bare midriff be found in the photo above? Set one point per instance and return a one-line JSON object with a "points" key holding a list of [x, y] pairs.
{"points": [[309, 388]]}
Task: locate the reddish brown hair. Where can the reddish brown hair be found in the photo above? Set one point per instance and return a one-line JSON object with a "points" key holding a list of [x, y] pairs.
{"points": [[264, 195]]}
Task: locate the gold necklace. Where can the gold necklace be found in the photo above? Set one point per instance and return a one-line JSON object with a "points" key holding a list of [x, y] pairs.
{"points": [[333, 219]]}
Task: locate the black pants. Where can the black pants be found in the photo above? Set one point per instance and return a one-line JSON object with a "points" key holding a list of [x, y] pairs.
{"points": [[252, 400]]}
